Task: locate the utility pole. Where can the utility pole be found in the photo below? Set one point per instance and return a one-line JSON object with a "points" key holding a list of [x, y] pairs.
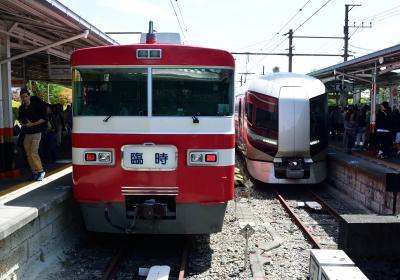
{"points": [[290, 49], [348, 8]]}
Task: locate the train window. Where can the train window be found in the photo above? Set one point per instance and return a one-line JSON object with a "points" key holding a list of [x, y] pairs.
{"points": [[318, 124], [110, 92], [250, 112], [266, 119], [240, 111], [192, 92]]}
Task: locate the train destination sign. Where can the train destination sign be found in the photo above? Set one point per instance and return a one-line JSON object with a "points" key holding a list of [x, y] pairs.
{"points": [[149, 157]]}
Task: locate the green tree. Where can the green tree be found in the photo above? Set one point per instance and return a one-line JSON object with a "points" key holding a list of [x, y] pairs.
{"points": [[38, 88], [57, 93]]}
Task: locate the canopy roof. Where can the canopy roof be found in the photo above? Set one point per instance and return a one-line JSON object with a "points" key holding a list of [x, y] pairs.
{"points": [[43, 34], [359, 71]]}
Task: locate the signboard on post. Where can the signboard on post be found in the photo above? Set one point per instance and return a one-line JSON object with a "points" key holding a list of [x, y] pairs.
{"points": [[60, 72]]}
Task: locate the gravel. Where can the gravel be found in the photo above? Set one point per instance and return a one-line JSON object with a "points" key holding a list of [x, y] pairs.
{"points": [[225, 253], [276, 240]]}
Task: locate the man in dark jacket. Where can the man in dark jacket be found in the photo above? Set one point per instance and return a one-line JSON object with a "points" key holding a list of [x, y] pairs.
{"points": [[32, 117], [383, 129]]}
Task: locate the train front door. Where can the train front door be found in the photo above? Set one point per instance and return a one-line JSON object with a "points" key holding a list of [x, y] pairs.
{"points": [[294, 120]]}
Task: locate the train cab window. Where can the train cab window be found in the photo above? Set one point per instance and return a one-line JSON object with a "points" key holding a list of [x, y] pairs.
{"points": [[110, 92], [192, 92], [318, 123], [266, 119]]}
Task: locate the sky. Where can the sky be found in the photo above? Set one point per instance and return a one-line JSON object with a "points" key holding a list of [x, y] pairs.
{"points": [[254, 26]]}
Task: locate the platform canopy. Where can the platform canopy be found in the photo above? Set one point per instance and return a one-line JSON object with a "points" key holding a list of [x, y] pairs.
{"points": [[359, 73], [42, 35]]}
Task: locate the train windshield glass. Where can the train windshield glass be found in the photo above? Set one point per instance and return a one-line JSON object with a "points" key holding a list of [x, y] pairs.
{"points": [[318, 123], [192, 92], [110, 92]]}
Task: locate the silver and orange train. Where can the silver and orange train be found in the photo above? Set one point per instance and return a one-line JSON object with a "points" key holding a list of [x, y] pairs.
{"points": [[281, 128]]}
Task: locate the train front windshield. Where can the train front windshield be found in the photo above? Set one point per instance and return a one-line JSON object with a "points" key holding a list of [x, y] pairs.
{"points": [[318, 124], [175, 91]]}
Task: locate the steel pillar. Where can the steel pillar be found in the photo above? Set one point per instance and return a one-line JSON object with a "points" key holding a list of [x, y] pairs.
{"points": [[7, 167]]}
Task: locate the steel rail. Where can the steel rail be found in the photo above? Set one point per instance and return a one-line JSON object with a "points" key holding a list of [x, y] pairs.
{"points": [[185, 253], [112, 268], [331, 210], [298, 222]]}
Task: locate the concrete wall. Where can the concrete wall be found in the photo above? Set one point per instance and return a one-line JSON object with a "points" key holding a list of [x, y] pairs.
{"points": [[363, 181], [28, 250]]}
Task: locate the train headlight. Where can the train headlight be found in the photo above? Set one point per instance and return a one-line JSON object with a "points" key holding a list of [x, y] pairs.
{"points": [[95, 157], [202, 158], [315, 142], [196, 157], [105, 157]]}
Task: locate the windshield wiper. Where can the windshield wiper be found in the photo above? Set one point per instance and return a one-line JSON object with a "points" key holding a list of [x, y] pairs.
{"points": [[195, 119], [106, 119]]}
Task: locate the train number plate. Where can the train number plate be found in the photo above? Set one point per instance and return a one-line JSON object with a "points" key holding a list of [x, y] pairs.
{"points": [[149, 157]]}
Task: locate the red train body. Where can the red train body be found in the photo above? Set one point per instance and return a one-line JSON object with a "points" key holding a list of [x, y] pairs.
{"points": [[153, 138]]}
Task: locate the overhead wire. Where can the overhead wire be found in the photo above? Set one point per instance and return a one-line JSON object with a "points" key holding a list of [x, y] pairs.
{"points": [[387, 16], [270, 41], [381, 13], [183, 21], [301, 9], [275, 39], [177, 18], [301, 24], [354, 32], [364, 49], [263, 58]]}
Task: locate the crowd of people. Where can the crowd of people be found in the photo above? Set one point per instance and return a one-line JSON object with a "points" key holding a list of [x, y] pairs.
{"points": [[351, 125], [40, 128]]}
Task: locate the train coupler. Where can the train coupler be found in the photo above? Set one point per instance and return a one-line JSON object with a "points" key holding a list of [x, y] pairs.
{"points": [[151, 210]]}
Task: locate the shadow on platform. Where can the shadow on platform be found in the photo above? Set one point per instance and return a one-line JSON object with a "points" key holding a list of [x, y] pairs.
{"points": [[391, 161], [64, 158]]}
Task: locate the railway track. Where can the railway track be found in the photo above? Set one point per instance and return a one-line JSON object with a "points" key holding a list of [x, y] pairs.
{"points": [[125, 261], [320, 226]]}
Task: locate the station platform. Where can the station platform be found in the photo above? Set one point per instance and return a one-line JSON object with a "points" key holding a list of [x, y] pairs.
{"points": [[390, 161], [372, 183], [9, 184], [38, 219]]}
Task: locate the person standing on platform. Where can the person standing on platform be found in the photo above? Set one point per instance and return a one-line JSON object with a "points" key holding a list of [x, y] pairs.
{"points": [[383, 133], [350, 128], [396, 129], [32, 118]]}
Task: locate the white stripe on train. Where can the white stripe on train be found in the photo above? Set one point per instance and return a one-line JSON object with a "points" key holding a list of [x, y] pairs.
{"points": [[153, 125], [226, 157]]}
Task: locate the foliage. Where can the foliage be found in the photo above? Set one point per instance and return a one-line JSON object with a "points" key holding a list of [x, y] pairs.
{"points": [[15, 107], [65, 96], [331, 102], [57, 93]]}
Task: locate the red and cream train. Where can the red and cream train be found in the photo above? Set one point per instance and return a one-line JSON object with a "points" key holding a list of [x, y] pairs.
{"points": [[153, 137]]}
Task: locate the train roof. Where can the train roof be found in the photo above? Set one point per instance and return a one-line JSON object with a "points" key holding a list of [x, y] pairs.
{"points": [[176, 55], [270, 84]]}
